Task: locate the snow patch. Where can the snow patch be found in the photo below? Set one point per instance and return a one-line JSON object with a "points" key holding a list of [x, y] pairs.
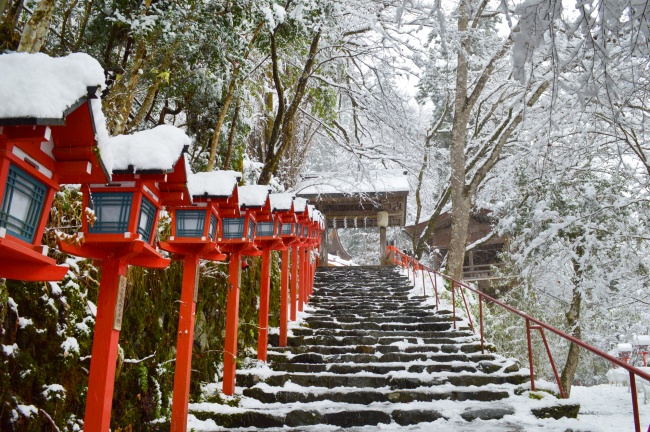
{"points": [[158, 148]]}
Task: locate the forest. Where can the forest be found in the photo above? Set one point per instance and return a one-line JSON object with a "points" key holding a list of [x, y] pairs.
{"points": [[534, 110]]}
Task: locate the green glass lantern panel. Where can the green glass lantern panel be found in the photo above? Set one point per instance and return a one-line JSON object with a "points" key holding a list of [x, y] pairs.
{"points": [[147, 217], [287, 228], [112, 210], [233, 228], [22, 204], [251, 229], [264, 229], [190, 223], [212, 231]]}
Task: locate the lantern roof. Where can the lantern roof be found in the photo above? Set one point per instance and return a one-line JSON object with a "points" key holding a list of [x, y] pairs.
{"points": [[641, 340], [154, 150], [45, 89], [60, 96], [319, 219], [213, 184], [281, 201], [300, 205], [254, 196]]}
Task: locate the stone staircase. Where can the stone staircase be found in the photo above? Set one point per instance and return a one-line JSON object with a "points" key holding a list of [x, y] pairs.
{"points": [[368, 354]]}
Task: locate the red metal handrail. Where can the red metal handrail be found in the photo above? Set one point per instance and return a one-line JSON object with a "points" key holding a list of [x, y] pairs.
{"points": [[404, 260]]}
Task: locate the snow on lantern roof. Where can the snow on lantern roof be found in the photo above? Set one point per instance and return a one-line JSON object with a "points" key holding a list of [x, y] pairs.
{"points": [[375, 181], [643, 340], [299, 204], [624, 347], [318, 218], [281, 201], [219, 184], [44, 87], [310, 210], [253, 195], [152, 149], [39, 89]]}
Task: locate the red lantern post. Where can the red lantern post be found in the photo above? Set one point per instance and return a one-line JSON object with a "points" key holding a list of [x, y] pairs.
{"points": [[297, 257], [236, 239], [47, 138], [195, 229], [283, 205], [148, 170], [267, 239]]}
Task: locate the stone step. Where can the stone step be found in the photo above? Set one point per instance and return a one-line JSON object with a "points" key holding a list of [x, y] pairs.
{"points": [[371, 349], [428, 330], [376, 368], [448, 347], [401, 382], [366, 397], [396, 357], [296, 418], [443, 337], [343, 320]]}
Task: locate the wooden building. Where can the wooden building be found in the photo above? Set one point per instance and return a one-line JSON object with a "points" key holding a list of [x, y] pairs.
{"points": [[480, 261]]}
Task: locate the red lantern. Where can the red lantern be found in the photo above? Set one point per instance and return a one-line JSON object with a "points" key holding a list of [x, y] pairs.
{"points": [[47, 138]]}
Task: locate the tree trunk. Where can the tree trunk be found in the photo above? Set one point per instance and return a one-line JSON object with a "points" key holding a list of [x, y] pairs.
{"points": [[460, 199], [35, 31], [288, 120], [120, 100], [231, 136], [573, 323]]}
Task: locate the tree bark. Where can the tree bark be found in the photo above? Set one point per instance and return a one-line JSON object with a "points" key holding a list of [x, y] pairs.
{"points": [[460, 199], [231, 136], [35, 31], [573, 323]]}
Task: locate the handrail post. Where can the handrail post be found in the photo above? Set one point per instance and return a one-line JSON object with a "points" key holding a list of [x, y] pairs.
{"points": [[530, 355], [453, 301], [469, 315], [550, 358], [424, 287], [480, 314], [635, 402]]}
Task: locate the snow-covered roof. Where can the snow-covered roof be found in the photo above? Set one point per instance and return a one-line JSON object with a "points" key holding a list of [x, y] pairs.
{"points": [[375, 181], [310, 211], [319, 218], [152, 149], [37, 86], [299, 204], [40, 86], [642, 340], [624, 347], [213, 183], [281, 201], [253, 195]]}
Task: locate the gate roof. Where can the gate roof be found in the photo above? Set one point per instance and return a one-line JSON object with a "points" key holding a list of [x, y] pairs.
{"points": [[353, 201]]}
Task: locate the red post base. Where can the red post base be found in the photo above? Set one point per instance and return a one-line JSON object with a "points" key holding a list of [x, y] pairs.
{"points": [[263, 320], [101, 381], [284, 298], [184, 342], [232, 324]]}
